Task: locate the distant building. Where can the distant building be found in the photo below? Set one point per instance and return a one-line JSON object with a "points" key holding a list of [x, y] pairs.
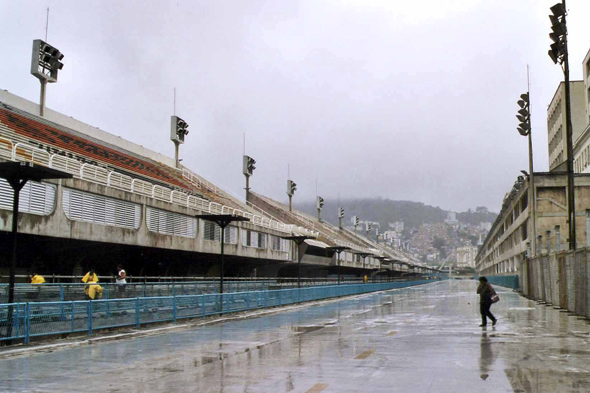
{"points": [[466, 256], [485, 226], [452, 218], [397, 226]]}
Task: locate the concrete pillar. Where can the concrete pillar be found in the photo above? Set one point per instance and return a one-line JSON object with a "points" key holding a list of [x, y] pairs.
{"points": [[557, 239], [548, 235], [587, 227], [539, 244], [528, 249]]}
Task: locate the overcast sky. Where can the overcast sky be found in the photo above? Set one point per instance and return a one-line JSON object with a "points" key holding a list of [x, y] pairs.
{"points": [[412, 100]]}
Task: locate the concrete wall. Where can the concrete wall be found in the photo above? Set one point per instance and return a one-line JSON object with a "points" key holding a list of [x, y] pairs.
{"points": [[58, 225]]}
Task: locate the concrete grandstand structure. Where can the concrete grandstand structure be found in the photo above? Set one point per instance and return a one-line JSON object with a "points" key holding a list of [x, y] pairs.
{"points": [[127, 204]]}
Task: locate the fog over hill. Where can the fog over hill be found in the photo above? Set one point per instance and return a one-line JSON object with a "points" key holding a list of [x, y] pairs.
{"points": [[384, 211]]}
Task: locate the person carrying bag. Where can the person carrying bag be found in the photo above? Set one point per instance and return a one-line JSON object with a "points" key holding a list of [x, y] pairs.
{"points": [[487, 296]]}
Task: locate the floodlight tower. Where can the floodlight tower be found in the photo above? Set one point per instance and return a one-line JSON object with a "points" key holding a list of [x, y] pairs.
{"points": [[559, 54], [45, 64], [355, 221], [340, 216], [178, 130], [368, 229], [319, 206], [291, 188], [248, 170]]}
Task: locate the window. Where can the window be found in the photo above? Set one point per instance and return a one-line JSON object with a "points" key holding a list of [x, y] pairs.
{"points": [[211, 231], [98, 209], [34, 198], [278, 244], [170, 223], [253, 239]]}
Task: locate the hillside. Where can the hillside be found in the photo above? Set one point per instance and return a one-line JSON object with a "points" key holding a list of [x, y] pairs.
{"points": [[384, 211]]}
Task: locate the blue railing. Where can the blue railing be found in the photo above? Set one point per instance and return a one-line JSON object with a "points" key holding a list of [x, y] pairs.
{"points": [[33, 319], [504, 281], [75, 291]]}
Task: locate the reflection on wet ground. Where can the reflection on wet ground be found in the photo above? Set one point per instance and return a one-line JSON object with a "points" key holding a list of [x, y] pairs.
{"points": [[422, 339]]}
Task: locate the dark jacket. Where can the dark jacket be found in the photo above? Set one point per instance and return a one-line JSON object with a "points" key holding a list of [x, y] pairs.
{"points": [[486, 292]]}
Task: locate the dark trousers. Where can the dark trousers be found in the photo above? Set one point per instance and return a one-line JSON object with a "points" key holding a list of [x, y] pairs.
{"points": [[484, 309]]}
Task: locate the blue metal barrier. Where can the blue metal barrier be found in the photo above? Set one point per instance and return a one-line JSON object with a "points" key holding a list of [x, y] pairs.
{"points": [[33, 319], [504, 281]]}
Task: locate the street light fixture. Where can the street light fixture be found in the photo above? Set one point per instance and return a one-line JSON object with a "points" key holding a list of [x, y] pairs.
{"points": [[291, 188], [338, 250], [45, 64], [319, 206], [559, 54], [524, 128], [301, 247], [17, 174], [248, 170], [222, 220]]}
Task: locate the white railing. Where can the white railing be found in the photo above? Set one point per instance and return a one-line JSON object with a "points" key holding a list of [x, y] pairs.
{"points": [[6, 148], [118, 180], [23, 152], [94, 173]]}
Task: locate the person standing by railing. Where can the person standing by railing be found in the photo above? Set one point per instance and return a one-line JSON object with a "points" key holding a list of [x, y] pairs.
{"points": [[121, 281], [37, 279], [92, 290]]}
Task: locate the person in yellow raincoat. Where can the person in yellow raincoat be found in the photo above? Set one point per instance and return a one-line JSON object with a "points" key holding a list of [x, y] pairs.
{"points": [[92, 290], [37, 279]]}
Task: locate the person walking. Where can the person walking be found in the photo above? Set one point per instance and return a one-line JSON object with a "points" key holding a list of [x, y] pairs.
{"points": [[486, 292]]}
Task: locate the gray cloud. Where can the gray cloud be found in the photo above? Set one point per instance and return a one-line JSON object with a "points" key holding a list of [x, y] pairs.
{"points": [[406, 101]]}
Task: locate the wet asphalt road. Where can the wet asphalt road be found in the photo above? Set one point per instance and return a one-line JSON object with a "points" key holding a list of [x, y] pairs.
{"points": [[421, 339]]}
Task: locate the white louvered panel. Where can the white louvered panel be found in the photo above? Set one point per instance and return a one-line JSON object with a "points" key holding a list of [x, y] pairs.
{"points": [[211, 231], [214, 208], [34, 198], [170, 223], [253, 239], [275, 243], [245, 236], [97, 209], [261, 240], [231, 235], [179, 197], [285, 245]]}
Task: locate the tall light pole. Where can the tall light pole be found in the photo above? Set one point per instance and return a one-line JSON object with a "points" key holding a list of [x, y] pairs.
{"points": [[248, 170], [291, 188], [524, 129], [222, 220], [45, 64], [338, 250], [178, 130], [319, 206], [559, 54]]}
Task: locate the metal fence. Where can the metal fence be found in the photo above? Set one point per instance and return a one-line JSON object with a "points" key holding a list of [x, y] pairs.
{"points": [[504, 281], [75, 291], [33, 319]]}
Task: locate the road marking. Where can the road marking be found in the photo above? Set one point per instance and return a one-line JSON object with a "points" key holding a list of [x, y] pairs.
{"points": [[318, 387], [365, 354], [393, 332]]}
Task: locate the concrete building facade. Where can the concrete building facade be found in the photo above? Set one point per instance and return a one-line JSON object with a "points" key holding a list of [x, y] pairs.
{"points": [[508, 242], [466, 257], [556, 122]]}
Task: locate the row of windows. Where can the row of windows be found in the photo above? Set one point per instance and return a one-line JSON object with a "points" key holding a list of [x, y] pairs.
{"points": [[582, 161], [39, 198]]}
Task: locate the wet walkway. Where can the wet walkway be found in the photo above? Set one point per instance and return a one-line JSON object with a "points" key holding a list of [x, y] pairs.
{"points": [[421, 339]]}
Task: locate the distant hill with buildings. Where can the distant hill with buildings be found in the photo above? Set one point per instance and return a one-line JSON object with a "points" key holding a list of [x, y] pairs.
{"points": [[386, 211]]}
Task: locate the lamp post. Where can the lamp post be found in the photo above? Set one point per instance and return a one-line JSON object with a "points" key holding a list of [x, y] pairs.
{"points": [[301, 247], [338, 250], [17, 174], [559, 54], [45, 65], [222, 220], [525, 129]]}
